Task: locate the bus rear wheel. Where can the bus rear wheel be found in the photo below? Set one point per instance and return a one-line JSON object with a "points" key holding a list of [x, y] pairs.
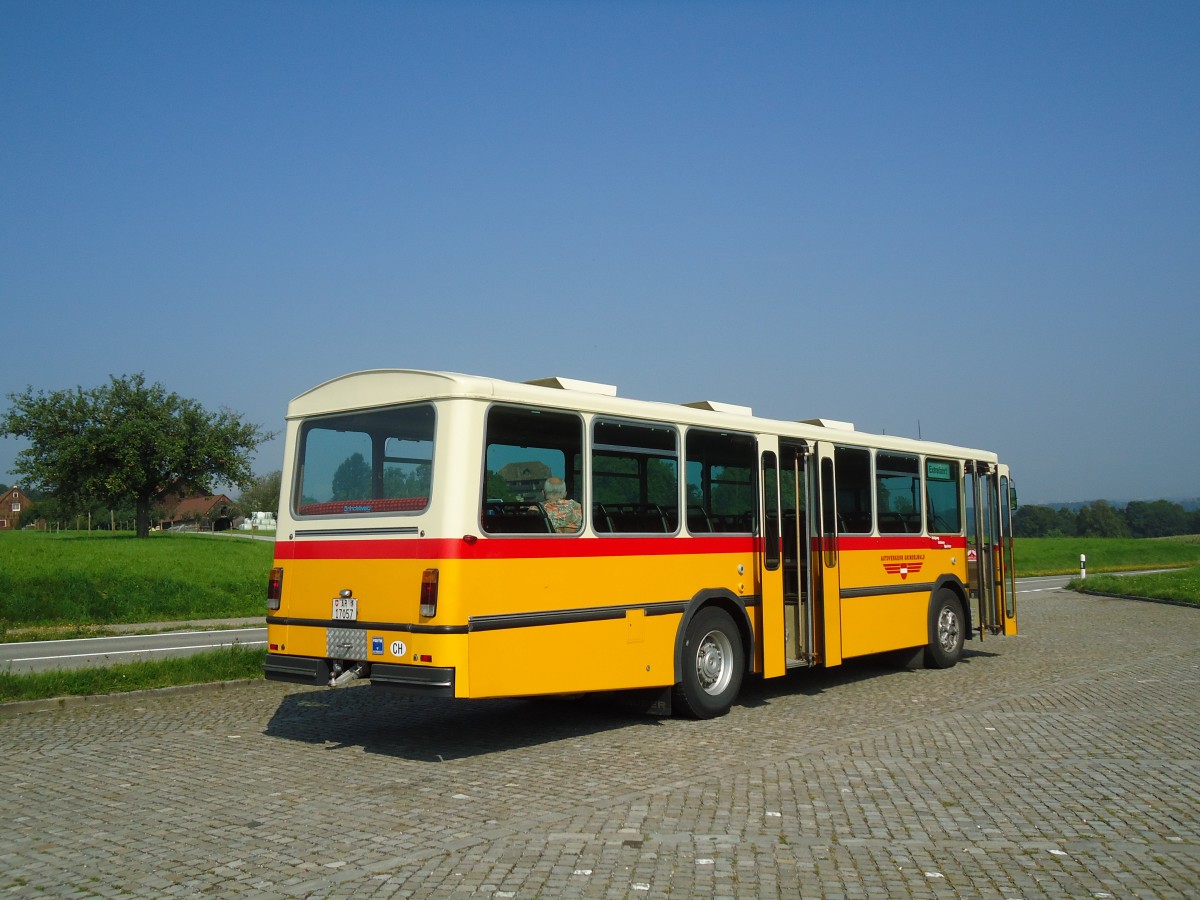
{"points": [[713, 665], [946, 630]]}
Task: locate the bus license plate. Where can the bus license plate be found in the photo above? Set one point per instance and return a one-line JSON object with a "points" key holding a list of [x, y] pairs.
{"points": [[345, 609]]}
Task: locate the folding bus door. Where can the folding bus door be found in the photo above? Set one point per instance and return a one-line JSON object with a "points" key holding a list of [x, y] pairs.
{"points": [[989, 547], [770, 567], [789, 633], [826, 574]]}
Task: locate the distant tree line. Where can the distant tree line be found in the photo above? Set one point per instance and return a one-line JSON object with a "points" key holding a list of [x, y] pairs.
{"points": [[1139, 519], [262, 495]]}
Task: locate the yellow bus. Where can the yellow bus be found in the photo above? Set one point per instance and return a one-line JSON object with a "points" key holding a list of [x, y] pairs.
{"points": [[459, 536]]}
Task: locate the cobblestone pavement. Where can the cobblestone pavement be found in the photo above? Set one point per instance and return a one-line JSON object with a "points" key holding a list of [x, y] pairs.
{"points": [[1061, 763]]}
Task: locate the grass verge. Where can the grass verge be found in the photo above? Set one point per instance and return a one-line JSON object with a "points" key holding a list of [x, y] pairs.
{"points": [[228, 664], [1182, 586]]}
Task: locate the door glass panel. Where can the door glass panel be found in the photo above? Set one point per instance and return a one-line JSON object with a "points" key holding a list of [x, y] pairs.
{"points": [[770, 481]]}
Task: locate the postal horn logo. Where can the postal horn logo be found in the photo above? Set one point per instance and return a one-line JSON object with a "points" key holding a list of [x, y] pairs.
{"points": [[903, 569]]}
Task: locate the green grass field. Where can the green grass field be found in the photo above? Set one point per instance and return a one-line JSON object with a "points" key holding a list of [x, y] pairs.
{"points": [[1060, 556], [76, 579]]}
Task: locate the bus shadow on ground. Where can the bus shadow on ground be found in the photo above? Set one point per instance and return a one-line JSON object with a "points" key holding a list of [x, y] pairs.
{"points": [[424, 729], [433, 730], [759, 692]]}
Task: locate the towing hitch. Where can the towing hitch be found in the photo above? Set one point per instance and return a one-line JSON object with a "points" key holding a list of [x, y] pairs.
{"points": [[340, 676]]}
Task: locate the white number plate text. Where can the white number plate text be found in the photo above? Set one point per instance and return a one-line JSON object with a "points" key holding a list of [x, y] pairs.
{"points": [[345, 609]]}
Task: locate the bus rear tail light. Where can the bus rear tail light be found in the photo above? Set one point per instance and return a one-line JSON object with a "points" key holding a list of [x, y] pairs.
{"points": [[274, 588], [429, 593]]}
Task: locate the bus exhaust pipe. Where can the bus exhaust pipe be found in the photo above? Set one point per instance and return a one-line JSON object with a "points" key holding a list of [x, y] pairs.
{"points": [[348, 675]]}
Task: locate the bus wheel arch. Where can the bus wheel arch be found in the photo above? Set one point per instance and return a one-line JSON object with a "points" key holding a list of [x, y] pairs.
{"points": [[949, 625], [712, 647]]}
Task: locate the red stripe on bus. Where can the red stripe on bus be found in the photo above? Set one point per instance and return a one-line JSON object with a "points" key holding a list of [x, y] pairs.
{"points": [[513, 548], [903, 542], [586, 547]]}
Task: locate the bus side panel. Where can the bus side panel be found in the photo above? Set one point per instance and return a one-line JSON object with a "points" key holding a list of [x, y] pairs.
{"points": [[609, 622], [632, 651], [882, 620], [519, 585]]}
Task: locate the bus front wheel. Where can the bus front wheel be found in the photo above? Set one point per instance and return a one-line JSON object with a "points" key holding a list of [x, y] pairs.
{"points": [[946, 627], [713, 665]]}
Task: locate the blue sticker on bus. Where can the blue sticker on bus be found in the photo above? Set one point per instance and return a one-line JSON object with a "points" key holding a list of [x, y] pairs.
{"points": [[377, 646]]}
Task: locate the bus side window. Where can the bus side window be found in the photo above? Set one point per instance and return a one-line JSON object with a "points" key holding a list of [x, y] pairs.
{"points": [[635, 478], [523, 449], [943, 497], [853, 490], [898, 493], [721, 485]]}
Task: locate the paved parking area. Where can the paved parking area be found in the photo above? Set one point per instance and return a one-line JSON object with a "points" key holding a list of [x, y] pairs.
{"points": [[1061, 763]]}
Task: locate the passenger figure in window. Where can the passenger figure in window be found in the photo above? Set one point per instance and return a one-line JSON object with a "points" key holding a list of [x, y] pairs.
{"points": [[566, 516]]}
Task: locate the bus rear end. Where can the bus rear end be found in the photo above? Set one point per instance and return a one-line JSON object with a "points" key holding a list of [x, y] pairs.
{"points": [[354, 591]]}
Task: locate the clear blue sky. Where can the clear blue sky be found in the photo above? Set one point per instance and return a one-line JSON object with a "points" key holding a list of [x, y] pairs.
{"points": [[982, 217]]}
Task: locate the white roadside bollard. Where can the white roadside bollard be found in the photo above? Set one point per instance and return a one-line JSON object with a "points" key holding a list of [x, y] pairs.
{"points": [[1083, 565]]}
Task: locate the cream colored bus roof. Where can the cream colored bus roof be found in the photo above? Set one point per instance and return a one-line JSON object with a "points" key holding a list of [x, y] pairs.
{"points": [[382, 387]]}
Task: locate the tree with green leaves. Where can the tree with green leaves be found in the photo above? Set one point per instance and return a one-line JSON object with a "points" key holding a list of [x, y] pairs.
{"points": [[1158, 518], [1101, 519], [262, 495], [1037, 521], [127, 441]]}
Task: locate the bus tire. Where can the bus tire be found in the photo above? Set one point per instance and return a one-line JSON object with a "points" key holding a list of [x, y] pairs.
{"points": [[714, 662], [946, 630]]}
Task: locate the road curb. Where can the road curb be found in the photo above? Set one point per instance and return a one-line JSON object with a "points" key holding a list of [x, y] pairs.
{"points": [[157, 627], [19, 707]]}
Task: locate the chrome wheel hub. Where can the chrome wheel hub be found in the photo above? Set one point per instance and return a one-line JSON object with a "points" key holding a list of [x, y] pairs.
{"points": [[948, 629], [713, 658]]}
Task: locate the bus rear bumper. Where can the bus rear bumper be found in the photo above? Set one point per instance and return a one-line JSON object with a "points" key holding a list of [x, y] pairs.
{"points": [[427, 681], [296, 669]]}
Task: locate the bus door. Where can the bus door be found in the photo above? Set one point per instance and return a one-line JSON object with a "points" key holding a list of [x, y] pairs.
{"points": [[788, 624], [770, 568], [989, 547], [1007, 506], [795, 478], [825, 578]]}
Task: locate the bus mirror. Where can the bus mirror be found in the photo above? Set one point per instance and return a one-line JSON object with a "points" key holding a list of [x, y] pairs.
{"points": [[1012, 498]]}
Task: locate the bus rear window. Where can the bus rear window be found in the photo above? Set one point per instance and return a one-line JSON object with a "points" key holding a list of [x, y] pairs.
{"points": [[376, 461]]}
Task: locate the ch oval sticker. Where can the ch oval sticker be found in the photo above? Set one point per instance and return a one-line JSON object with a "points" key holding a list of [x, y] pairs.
{"points": [[398, 648]]}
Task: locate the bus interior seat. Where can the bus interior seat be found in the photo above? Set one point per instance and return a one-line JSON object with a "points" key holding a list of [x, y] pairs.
{"points": [[508, 517]]}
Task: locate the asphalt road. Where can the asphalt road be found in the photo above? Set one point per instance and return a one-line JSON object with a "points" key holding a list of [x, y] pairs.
{"points": [[77, 653]]}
